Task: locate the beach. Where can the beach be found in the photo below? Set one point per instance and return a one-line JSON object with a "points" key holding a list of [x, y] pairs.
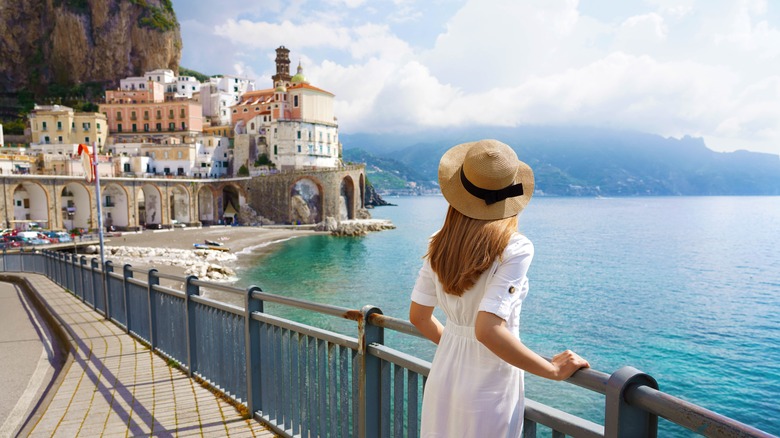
{"points": [[172, 252]]}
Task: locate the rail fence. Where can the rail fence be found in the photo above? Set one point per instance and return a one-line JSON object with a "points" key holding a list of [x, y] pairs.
{"points": [[301, 380]]}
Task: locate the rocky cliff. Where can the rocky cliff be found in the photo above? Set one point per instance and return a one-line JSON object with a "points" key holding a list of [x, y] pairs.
{"points": [[78, 41]]}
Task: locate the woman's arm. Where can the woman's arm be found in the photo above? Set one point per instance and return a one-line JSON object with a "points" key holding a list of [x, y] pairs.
{"points": [[491, 331], [422, 318]]}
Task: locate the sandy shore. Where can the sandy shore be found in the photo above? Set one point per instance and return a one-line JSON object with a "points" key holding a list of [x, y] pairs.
{"points": [[172, 252]]}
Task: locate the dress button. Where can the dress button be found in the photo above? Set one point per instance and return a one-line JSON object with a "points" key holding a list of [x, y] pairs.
{"points": [[511, 289]]}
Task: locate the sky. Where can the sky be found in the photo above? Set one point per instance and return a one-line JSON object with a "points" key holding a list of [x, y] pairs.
{"points": [[704, 68]]}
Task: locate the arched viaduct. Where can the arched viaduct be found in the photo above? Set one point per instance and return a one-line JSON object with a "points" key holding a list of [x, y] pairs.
{"points": [[64, 203]]}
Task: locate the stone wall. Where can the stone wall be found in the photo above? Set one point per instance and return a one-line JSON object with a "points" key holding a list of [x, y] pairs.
{"points": [[305, 197], [271, 195]]}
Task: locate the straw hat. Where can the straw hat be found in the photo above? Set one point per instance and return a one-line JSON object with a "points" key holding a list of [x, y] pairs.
{"points": [[485, 180]]}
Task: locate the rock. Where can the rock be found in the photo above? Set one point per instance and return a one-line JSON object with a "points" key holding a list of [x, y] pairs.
{"points": [[87, 41], [361, 227], [329, 224]]}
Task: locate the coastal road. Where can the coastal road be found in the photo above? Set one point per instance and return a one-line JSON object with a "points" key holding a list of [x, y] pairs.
{"points": [[27, 359]]}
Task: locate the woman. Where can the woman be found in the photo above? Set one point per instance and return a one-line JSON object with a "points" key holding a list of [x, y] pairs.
{"points": [[475, 270]]}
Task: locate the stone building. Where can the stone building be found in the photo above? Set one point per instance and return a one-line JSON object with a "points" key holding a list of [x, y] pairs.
{"points": [[292, 124]]}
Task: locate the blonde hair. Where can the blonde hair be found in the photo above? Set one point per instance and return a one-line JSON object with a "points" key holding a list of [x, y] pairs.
{"points": [[464, 248]]}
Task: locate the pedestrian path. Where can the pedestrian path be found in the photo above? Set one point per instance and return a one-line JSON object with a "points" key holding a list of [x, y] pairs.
{"points": [[116, 386]]}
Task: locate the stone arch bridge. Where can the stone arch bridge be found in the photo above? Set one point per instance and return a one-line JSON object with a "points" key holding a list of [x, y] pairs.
{"points": [[65, 203]]}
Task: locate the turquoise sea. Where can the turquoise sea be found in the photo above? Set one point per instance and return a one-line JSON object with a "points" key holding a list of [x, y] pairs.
{"points": [[686, 289]]}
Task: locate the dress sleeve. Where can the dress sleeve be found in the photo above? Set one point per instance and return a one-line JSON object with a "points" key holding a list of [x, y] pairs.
{"points": [[424, 291], [509, 285]]}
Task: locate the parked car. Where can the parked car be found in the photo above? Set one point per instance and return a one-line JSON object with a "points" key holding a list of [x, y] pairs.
{"points": [[14, 241], [61, 236]]}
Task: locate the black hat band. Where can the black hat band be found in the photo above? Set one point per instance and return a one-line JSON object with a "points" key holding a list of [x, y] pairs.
{"points": [[491, 196]]}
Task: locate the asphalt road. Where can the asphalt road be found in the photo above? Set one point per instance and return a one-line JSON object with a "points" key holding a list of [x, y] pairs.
{"points": [[27, 359]]}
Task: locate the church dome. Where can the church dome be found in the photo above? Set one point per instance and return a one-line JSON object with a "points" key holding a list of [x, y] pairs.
{"points": [[299, 77]]}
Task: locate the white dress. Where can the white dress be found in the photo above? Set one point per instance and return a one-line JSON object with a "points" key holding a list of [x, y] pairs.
{"points": [[470, 391]]}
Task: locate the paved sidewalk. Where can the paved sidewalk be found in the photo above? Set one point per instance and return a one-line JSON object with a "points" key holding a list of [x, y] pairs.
{"points": [[115, 386]]}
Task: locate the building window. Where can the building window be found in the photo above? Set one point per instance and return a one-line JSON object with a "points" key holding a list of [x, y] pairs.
{"points": [[146, 115], [171, 126], [119, 127], [252, 126], [181, 113], [299, 135], [118, 115], [167, 170], [165, 155], [132, 115], [183, 126], [127, 167], [146, 127], [179, 155], [170, 114], [159, 114], [86, 140], [159, 127], [59, 126], [43, 128], [135, 128], [299, 149], [295, 101]]}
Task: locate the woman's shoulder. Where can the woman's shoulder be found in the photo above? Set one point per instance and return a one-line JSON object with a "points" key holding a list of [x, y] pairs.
{"points": [[518, 245]]}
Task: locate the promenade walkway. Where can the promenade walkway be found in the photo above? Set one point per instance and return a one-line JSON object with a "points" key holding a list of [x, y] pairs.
{"points": [[112, 385]]}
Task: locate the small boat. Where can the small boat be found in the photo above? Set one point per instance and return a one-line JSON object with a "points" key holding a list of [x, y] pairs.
{"points": [[213, 243], [212, 247]]}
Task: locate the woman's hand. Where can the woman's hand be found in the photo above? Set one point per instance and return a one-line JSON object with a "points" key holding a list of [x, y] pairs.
{"points": [[567, 363]]}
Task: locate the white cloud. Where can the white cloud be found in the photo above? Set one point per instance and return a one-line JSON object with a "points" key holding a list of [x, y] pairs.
{"points": [[671, 67], [264, 35]]}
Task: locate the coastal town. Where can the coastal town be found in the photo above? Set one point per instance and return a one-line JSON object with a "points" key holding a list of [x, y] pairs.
{"points": [[172, 152]]}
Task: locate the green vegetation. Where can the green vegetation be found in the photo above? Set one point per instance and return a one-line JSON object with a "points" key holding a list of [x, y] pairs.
{"points": [[197, 75], [14, 127], [162, 19], [243, 171], [263, 160]]}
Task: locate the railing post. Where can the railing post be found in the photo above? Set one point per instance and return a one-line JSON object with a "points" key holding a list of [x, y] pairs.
{"points": [[126, 273], [191, 290], [252, 348], [94, 265], [369, 389], [621, 419], [82, 261], [153, 280], [108, 268]]}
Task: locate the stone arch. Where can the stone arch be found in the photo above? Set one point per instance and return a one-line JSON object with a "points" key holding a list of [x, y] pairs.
{"points": [[306, 201], [31, 205], [115, 206], [149, 204], [362, 200], [233, 198], [347, 198], [179, 204], [76, 202], [206, 205]]}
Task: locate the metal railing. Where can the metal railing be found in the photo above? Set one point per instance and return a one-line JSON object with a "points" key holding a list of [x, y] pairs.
{"points": [[302, 380]]}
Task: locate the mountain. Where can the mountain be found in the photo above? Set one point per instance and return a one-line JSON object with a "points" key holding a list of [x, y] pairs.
{"points": [[582, 161], [72, 42]]}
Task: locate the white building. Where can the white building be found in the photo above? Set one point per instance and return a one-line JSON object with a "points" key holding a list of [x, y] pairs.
{"points": [[219, 94], [213, 157], [292, 124], [133, 83]]}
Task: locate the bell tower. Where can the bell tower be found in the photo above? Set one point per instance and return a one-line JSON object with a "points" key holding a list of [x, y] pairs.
{"points": [[282, 76]]}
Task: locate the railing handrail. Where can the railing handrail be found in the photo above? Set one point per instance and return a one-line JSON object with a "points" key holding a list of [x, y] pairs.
{"points": [[629, 392]]}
